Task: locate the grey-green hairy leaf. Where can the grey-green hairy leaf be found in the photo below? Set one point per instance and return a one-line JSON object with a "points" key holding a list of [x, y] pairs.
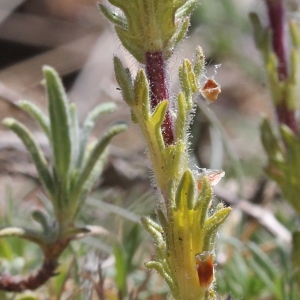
{"points": [[34, 150], [59, 122]]}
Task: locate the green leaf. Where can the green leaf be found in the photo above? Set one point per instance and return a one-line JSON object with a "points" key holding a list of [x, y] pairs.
{"points": [[162, 271], [34, 150], [114, 17], [119, 211], [262, 275], [158, 115], [154, 228], [141, 94], [59, 122], [211, 226], [181, 30], [124, 80], [186, 9], [295, 34], [89, 124], [203, 199], [94, 156], [181, 117], [162, 219], [131, 43], [184, 81], [6, 251], [64, 274], [199, 65], [41, 218], [262, 37], [132, 241], [185, 191], [263, 260], [121, 270], [270, 142], [27, 297], [27, 234], [217, 219], [295, 256], [93, 177], [37, 114], [74, 134]]}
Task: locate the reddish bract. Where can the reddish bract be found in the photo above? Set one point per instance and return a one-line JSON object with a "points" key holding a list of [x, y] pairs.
{"points": [[211, 90], [205, 268]]}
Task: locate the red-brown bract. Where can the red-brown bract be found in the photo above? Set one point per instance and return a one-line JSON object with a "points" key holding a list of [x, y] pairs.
{"points": [[211, 90], [205, 268]]}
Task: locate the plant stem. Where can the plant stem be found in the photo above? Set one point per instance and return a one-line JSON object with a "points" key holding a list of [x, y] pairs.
{"points": [[156, 74], [32, 282], [276, 14]]}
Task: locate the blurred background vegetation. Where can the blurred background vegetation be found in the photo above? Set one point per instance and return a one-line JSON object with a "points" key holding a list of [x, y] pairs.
{"points": [[72, 36]]}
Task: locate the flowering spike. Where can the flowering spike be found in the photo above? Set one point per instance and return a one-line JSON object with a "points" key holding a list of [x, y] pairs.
{"points": [[150, 32]]}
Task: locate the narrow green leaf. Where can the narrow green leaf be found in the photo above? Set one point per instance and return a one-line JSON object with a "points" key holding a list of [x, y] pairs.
{"points": [[27, 234], [124, 80], [191, 76], [199, 65], [159, 113], [217, 219], [262, 275], [295, 256], [120, 4], [295, 33], [35, 151], [181, 117], [93, 177], [263, 260], [289, 137], [112, 16], [28, 297], [162, 219], [132, 241], [181, 30], [74, 134], [203, 199], [59, 122], [89, 124], [157, 232], [211, 227], [152, 227], [40, 217], [59, 281], [6, 251], [119, 211], [121, 270], [131, 43], [37, 114], [258, 30], [141, 93], [185, 191], [270, 142], [162, 271], [156, 121], [94, 156], [186, 9], [185, 82]]}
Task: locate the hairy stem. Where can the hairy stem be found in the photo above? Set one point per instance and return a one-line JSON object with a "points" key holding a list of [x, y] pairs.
{"points": [[19, 284], [156, 74], [32, 282], [276, 14]]}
